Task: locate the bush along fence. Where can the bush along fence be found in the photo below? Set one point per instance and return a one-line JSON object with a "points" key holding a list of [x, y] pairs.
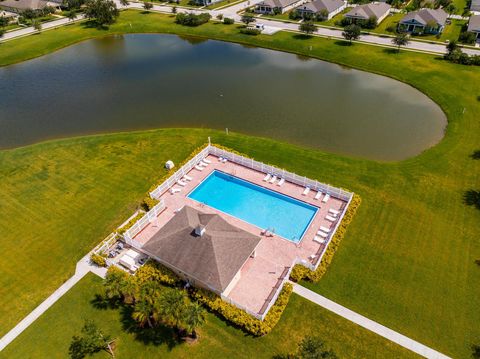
{"points": [[241, 318], [300, 272]]}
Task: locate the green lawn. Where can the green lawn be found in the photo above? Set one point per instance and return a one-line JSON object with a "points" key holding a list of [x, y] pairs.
{"points": [[50, 336], [407, 260]]}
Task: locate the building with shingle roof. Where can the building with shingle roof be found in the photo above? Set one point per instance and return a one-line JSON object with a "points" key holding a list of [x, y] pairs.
{"points": [[203, 248], [320, 7], [275, 6], [18, 6], [365, 12], [474, 25], [425, 21]]}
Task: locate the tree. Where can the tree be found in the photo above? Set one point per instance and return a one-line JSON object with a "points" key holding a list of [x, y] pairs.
{"points": [[322, 15], [401, 39], [124, 2], [37, 25], [103, 12], [351, 32], [72, 15], [143, 312], [307, 27], [247, 19], [194, 317], [147, 6], [171, 306], [91, 340], [3, 21], [313, 348], [114, 282]]}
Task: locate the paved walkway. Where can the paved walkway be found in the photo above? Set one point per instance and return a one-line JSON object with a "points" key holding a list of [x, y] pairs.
{"points": [[82, 268], [368, 324], [272, 27]]}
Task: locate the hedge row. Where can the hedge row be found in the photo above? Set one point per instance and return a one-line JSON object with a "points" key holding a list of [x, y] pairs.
{"points": [[300, 272], [131, 222], [98, 260], [154, 271], [241, 318]]}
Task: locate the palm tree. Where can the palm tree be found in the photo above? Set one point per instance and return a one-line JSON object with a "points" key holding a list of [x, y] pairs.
{"points": [[113, 283], [143, 312], [194, 317], [150, 291], [171, 306], [129, 290], [401, 39]]}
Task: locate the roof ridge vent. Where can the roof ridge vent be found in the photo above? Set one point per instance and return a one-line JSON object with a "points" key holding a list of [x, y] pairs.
{"points": [[200, 230]]}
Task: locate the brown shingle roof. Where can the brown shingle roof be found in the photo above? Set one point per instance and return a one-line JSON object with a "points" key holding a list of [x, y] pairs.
{"points": [[213, 258], [319, 5], [474, 24], [425, 16], [367, 11]]}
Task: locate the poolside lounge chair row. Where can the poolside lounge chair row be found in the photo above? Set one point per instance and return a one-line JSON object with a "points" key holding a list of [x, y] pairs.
{"points": [[223, 159], [318, 195], [273, 178]]}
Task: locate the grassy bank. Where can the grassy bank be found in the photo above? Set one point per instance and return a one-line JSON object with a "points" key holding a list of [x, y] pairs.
{"points": [[407, 260], [50, 336]]}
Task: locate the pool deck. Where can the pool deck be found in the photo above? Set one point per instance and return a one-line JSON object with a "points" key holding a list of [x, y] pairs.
{"points": [[260, 274]]}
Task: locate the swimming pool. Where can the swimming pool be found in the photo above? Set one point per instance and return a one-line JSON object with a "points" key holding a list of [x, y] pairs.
{"points": [[266, 209]]}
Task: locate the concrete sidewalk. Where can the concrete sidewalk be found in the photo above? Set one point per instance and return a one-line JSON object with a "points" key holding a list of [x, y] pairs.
{"points": [[82, 268], [366, 323]]}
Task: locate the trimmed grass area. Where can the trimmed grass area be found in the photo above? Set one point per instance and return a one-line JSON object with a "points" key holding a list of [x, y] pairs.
{"points": [[407, 260], [50, 336]]}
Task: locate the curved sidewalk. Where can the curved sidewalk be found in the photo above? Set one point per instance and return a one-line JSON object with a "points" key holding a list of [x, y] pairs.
{"points": [[82, 268], [366, 323]]}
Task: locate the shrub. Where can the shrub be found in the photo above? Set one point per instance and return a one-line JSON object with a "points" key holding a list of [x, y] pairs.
{"points": [[241, 318], [467, 37], [130, 223], [391, 28], [294, 15], [192, 19], [98, 260], [153, 270], [250, 31], [300, 272], [228, 21]]}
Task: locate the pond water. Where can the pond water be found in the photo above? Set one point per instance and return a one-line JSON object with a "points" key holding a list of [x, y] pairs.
{"points": [[149, 81]]}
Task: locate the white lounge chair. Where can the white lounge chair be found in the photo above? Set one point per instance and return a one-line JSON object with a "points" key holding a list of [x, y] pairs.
{"points": [[207, 161], [318, 195], [326, 198], [330, 218], [267, 177], [282, 181], [319, 240], [321, 234], [305, 191], [181, 183], [198, 168], [274, 178], [333, 211], [204, 164], [220, 159], [187, 178], [325, 229], [174, 190], [225, 160]]}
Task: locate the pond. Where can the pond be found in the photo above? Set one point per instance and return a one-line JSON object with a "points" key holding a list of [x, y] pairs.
{"points": [[135, 82]]}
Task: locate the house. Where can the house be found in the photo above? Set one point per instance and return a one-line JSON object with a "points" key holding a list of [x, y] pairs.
{"points": [[474, 25], [203, 248], [271, 7], [430, 21], [325, 9], [379, 11], [475, 7], [17, 6]]}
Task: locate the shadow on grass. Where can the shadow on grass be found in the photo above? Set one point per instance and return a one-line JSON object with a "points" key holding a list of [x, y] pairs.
{"points": [[343, 43], [391, 51], [92, 24], [476, 351], [103, 303], [475, 155], [472, 198], [302, 37], [149, 336]]}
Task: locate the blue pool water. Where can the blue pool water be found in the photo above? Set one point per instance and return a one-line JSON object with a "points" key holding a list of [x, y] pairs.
{"points": [[288, 217]]}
